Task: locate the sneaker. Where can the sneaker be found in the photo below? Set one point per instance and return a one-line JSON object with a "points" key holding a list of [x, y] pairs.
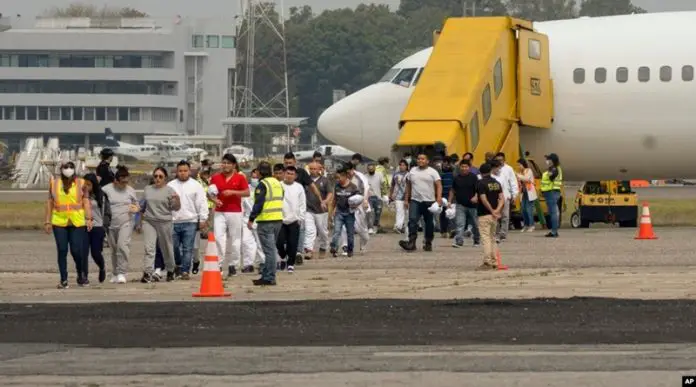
{"points": [[121, 279], [308, 254], [551, 235], [157, 276], [457, 245], [195, 267], [371, 231], [147, 278], [408, 245], [262, 282], [477, 244], [231, 271], [530, 229], [334, 253], [85, 282], [114, 278], [428, 247], [322, 253], [283, 265], [185, 276], [349, 254], [486, 267], [299, 259], [345, 250], [524, 229], [291, 269], [63, 285], [248, 269], [170, 276]]}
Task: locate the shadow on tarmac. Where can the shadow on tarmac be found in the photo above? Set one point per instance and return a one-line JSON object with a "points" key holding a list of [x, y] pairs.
{"points": [[352, 323]]}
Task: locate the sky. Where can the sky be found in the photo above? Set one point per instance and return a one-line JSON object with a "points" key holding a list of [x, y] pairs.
{"points": [[208, 8]]}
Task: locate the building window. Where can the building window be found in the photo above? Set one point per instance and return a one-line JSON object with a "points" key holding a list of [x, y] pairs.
{"points": [[665, 73], [579, 76], [688, 73], [32, 114], [77, 114], [198, 41], [65, 114], [100, 114], [486, 102], [600, 75], [111, 114], [474, 131], [534, 49], [89, 114], [622, 75], [212, 41], [54, 114], [228, 41], [123, 114], [135, 114], [643, 74], [21, 112], [498, 77], [43, 113]]}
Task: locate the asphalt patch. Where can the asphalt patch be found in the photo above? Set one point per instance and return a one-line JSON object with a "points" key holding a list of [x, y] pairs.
{"points": [[352, 323]]}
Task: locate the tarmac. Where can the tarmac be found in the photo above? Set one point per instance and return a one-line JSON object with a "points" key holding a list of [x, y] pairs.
{"points": [[592, 308]]}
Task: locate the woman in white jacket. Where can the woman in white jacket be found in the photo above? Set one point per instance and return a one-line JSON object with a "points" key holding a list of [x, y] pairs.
{"points": [[529, 194]]}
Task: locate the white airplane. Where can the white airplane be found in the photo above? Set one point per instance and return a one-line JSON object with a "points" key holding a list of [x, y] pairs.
{"points": [[241, 153], [326, 151], [623, 99], [163, 151]]}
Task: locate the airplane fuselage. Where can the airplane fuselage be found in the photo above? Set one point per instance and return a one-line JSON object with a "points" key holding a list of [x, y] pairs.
{"points": [[629, 118]]}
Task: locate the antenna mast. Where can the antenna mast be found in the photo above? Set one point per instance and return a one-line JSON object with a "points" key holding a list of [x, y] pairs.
{"points": [[261, 78]]}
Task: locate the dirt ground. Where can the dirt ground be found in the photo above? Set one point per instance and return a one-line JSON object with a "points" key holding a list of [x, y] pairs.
{"points": [[594, 262]]}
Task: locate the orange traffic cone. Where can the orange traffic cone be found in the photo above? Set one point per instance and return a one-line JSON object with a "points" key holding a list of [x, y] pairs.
{"points": [[499, 261], [645, 231], [211, 281]]}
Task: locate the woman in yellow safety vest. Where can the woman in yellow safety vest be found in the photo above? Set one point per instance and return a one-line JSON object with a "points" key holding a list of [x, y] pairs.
{"points": [[529, 194], [551, 184], [69, 215]]}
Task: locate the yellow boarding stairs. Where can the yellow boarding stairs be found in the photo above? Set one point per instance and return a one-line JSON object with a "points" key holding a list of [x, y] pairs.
{"points": [[485, 78]]}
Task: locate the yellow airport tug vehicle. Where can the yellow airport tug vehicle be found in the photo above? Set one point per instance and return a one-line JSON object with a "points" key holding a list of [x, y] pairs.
{"points": [[609, 202]]}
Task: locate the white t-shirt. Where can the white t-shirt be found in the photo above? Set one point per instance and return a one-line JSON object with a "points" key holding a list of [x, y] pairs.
{"points": [[423, 183]]}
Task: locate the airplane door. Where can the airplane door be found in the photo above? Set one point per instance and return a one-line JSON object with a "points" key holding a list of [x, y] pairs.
{"points": [[535, 97]]}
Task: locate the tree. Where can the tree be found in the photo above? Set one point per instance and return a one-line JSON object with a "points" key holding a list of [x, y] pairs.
{"points": [[609, 7], [88, 10], [542, 10]]}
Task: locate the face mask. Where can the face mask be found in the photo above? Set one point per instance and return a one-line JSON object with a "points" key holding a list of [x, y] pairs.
{"points": [[68, 172], [254, 182], [408, 160], [548, 162]]}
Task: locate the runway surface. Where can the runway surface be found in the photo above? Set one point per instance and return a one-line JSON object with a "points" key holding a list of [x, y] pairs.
{"points": [[592, 308], [663, 192]]}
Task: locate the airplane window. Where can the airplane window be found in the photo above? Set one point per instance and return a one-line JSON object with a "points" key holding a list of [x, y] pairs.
{"points": [[579, 76], [418, 75], [486, 101], [622, 75], [405, 77], [688, 73], [474, 128], [665, 73], [600, 75], [498, 77], [644, 74], [389, 75], [534, 49]]}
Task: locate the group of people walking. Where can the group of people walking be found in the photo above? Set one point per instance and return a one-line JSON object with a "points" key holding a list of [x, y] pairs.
{"points": [[282, 211]]}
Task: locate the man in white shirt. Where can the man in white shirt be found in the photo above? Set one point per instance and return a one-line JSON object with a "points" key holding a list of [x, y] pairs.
{"points": [[294, 208], [191, 217], [423, 189], [375, 181], [508, 180]]}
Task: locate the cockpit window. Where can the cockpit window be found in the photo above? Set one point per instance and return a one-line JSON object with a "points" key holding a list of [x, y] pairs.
{"points": [[389, 75], [420, 71], [405, 77]]}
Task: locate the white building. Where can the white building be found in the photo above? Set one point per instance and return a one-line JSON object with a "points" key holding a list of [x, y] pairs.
{"points": [[75, 77]]}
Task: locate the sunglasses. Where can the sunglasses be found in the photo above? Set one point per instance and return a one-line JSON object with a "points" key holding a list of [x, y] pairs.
{"points": [[159, 176]]}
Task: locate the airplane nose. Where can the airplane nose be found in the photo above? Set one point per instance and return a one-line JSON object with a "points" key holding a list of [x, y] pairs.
{"points": [[339, 122]]}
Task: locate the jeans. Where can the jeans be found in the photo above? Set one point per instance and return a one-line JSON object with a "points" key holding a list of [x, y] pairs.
{"points": [[94, 243], [376, 204], [416, 210], [287, 241], [183, 239], [342, 219], [466, 216], [73, 238], [159, 258], [268, 234], [552, 198], [527, 211]]}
